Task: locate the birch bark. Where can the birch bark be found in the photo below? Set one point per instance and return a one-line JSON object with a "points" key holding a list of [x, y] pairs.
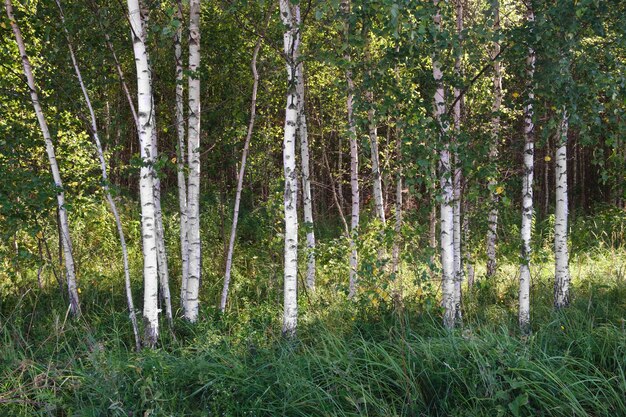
{"points": [[354, 159], [191, 302], [105, 182], [64, 228], [290, 42], [561, 254], [495, 137], [307, 202], [180, 154], [527, 189], [458, 175], [373, 136], [163, 270], [145, 113], [445, 172], [395, 252]]}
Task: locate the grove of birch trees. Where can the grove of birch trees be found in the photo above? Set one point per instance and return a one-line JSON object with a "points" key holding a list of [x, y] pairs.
{"points": [[297, 154]]}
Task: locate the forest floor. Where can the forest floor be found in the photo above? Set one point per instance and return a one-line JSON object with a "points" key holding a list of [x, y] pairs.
{"points": [[351, 357], [347, 361]]}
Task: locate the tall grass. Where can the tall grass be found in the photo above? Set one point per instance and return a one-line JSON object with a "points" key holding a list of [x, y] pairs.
{"points": [[379, 363], [364, 357]]}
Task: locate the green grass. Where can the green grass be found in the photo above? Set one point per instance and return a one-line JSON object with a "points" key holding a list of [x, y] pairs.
{"points": [[350, 358], [347, 360]]}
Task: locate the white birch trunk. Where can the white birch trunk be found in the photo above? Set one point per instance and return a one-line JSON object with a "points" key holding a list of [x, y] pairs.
{"points": [[145, 113], [527, 191], [105, 184], [458, 268], [561, 255], [164, 280], [354, 161], [467, 254], [64, 228], [163, 270], [307, 202], [180, 155], [395, 252], [191, 302], [290, 317], [242, 170], [447, 226], [495, 138], [377, 187]]}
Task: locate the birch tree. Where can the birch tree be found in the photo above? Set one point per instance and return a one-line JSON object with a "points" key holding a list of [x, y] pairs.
{"points": [[242, 170], [180, 153], [495, 138], [395, 252], [561, 254], [377, 188], [307, 202], [145, 113], [290, 43], [527, 186], [457, 180], [64, 228], [164, 280], [445, 175], [162, 264], [105, 181], [192, 286], [354, 157]]}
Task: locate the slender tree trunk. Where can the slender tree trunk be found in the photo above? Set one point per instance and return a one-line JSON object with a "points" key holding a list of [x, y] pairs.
{"points": [[64, 228], [395, 252], [562, 276], [290, 43], [340, 171], [105, 183], [120, 73], [546, 182], [354, 159], [495, 138], [458, 174], [164, 280], [145, 112], [432, 216], [180, 154], [307, 203], [527, 190], [445, 171], [191, 302], [242, 170], [334, 191], [467, 254], [373, 136]]}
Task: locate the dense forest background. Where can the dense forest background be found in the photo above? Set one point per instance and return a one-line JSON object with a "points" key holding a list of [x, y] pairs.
{"points": [[452, 121]]}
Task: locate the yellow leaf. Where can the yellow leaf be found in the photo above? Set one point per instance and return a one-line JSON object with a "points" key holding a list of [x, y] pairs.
{"points": [[79, 290], [515, 94], [499, 189], [547, 159]]}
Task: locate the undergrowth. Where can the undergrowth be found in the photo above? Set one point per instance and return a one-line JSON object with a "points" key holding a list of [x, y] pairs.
{"points": [[348, 361], [367, 357]]}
